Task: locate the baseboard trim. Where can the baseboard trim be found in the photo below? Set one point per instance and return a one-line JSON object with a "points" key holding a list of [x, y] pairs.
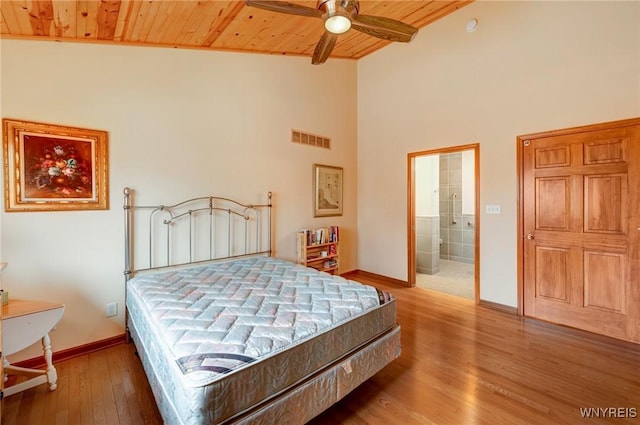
{"points": [[354, 274], [69, 353], [500, 307]]}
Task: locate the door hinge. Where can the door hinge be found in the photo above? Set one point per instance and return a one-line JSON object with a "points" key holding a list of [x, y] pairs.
{"points": [[1, 395], [527, 142]]}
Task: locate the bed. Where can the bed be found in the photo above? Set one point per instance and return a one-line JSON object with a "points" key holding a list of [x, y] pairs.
{"points": [[228, 333]]}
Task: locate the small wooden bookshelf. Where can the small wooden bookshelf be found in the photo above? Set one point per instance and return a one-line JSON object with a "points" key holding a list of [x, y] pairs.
{"points": [[320, 249]]}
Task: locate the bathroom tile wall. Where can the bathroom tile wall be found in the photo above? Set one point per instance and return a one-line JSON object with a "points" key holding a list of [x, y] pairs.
{"points": [[427, 244], [456, 229], [468, 239]]}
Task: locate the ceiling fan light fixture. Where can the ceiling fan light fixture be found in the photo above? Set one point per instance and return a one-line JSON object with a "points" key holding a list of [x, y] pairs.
{"points": [[337, 23]]}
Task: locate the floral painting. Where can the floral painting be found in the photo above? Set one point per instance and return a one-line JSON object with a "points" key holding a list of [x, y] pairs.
{"points": [[49, 167], [57, 168]]}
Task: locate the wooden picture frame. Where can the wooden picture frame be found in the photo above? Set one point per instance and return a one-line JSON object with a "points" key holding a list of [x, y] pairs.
{"points": [[327, 190], [54, 168]]}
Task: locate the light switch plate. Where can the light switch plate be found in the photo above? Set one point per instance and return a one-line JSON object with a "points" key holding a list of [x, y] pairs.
{"points": [[492, 208]]}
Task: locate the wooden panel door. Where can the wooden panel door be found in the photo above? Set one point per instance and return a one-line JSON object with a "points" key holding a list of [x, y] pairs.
{"points": [[1, 361], [580, 210]]}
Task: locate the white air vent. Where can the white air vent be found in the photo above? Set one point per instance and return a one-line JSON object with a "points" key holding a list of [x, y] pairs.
{"points": [[310, 139]]}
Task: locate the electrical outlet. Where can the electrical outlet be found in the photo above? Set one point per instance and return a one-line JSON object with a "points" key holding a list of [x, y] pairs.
{"points": [[492, 208], [112, 309]]}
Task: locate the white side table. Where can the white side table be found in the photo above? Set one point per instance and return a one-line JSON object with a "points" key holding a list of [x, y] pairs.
{"points": [[23, 323]]}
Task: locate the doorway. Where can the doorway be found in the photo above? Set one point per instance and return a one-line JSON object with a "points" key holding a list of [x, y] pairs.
{"points": [[443, 222]]}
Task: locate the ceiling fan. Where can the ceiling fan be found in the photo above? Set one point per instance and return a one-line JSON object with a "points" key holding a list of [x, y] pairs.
{"points": [[339, 16]]}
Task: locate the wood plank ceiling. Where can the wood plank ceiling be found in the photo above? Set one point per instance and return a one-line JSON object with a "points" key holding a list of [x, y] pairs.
{"points": [[214, 25]]}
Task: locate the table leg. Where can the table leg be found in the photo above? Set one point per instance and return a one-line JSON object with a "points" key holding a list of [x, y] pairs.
{"points": [[34, 376], [52, 375]]}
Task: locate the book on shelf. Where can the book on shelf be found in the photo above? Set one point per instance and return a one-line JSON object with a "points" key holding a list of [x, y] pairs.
{"points": [[321, 236], [330, 264]]}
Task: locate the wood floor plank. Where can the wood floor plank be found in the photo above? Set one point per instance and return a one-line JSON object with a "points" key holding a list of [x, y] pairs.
{"points": [[50, 403], [460, 364], [96, 373], [116, 372], [61, 414], [37, 411]]}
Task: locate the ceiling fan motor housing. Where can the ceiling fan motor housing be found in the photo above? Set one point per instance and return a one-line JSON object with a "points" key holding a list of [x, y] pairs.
{"points": [[348, 7]]}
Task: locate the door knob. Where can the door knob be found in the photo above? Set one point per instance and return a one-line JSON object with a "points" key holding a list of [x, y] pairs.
{"points": [[530, 236]]}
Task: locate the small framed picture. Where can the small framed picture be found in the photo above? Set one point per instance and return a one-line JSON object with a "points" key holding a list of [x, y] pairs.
{"points": [[54, 168], [327, 190]]}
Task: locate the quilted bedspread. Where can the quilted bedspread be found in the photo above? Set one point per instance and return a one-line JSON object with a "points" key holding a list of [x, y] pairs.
{"points": [[217, 319]]}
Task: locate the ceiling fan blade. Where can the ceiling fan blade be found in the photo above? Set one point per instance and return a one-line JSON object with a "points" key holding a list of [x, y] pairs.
{"points": [[324, 48], [285, 7], [385, 28]]}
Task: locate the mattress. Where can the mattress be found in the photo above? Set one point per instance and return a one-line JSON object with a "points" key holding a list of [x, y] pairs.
{"points": [[223, 338]]}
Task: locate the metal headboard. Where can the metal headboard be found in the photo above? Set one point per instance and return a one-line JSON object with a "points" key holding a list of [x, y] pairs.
{"points": [[193, 231]]}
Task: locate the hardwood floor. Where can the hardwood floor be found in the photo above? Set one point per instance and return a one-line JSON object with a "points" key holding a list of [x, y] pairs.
{"points": [[461, 364], [107, 387]]}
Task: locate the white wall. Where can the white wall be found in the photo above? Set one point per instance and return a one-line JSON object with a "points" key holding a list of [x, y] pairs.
{"points": [[530, 66], [427, 180], [468, 182], [181, 123]]}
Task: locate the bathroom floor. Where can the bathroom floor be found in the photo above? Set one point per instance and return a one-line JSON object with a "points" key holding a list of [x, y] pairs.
{"points": [[454, 278]]}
